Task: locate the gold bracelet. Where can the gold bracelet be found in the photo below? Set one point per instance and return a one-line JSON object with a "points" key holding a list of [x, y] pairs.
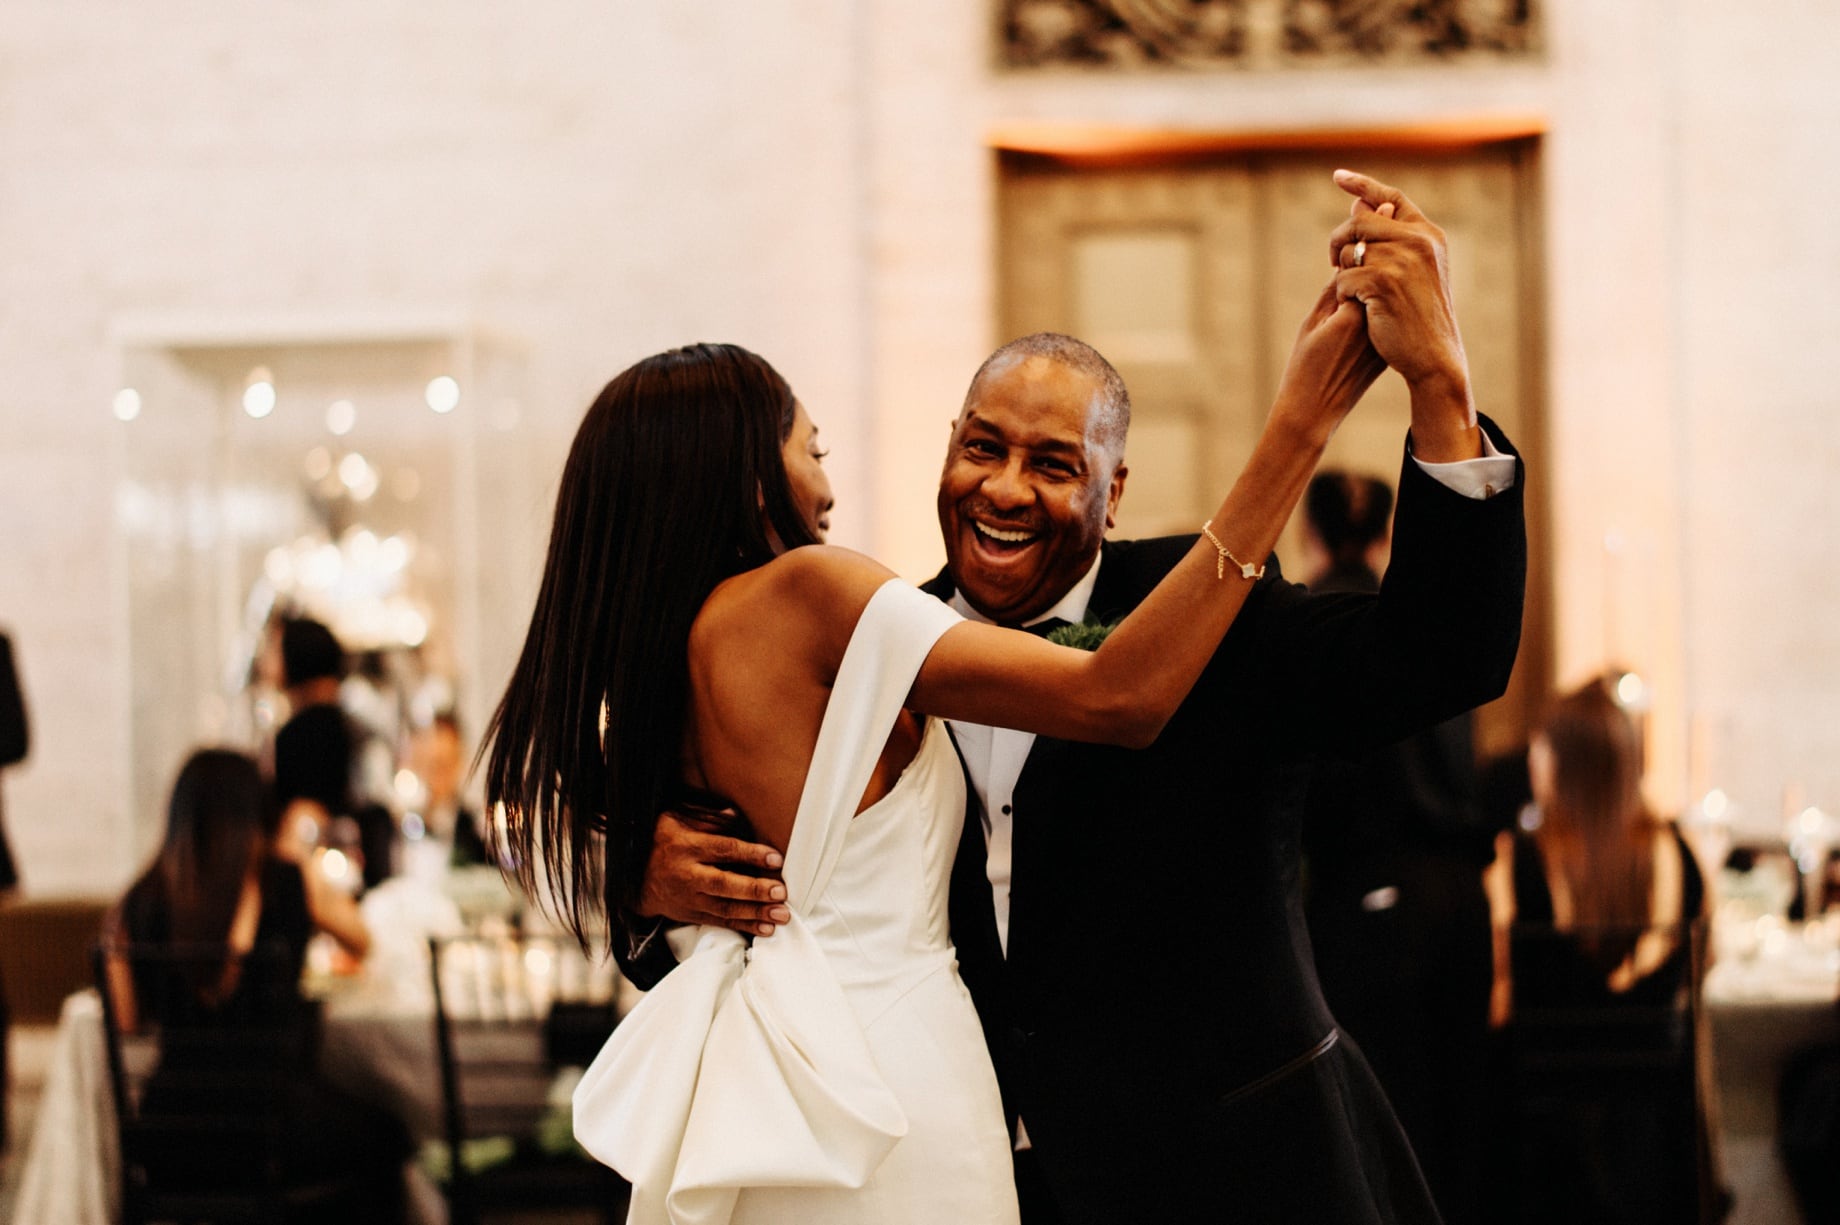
{"points": [[1246, 569]]}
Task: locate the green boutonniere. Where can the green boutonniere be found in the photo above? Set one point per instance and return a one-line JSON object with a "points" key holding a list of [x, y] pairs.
{"points": [[1083, 636]]}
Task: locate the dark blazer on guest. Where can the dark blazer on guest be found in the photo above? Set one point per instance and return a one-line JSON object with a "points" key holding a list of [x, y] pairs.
{"points": [[1157, 1023], [15, 740]]}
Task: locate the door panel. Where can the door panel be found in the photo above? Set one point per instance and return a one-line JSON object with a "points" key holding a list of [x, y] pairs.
{"points": [[1192, 279]]}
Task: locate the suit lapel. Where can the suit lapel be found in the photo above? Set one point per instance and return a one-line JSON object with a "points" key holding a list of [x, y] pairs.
{"points": [[1119, 587], [1115, 594]]}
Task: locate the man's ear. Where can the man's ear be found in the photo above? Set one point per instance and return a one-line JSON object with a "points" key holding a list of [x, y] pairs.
{"points": [[1113, 494], [952, 434]]}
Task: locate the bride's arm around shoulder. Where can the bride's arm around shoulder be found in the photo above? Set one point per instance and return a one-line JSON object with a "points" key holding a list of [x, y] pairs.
{"points": [[976, 672]]}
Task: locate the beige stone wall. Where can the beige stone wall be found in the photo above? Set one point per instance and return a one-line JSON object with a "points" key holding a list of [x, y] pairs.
{"points": [[1688, 159], [811, 178], [601, 180]]}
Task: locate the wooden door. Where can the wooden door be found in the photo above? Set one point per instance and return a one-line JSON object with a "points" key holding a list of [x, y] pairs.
{"points": [[1193, 277]]}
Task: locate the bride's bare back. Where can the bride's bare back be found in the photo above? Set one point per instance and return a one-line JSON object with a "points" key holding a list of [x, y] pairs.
{"points": [[761, 670]]}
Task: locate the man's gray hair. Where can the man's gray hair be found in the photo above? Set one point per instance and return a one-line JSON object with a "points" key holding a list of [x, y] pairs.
{"points": [[1113, 417]]}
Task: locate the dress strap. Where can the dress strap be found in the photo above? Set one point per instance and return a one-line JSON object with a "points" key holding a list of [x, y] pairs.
{"points": [[898, 628]]}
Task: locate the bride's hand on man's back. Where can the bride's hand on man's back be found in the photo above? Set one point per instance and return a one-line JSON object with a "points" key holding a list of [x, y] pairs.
{"points": [[700, 875]]}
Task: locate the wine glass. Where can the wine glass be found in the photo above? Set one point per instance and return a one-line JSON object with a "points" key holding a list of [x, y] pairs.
{"points": [[1810, 834], [1707, 827]]}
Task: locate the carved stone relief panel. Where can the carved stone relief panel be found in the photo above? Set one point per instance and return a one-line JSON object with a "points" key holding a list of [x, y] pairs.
{"points": [[1262, 33]]}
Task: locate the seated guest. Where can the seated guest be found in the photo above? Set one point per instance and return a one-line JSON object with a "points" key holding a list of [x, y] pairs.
{"points": [[440, 760], [1593, 902], [1597, 859], [210, 942]]}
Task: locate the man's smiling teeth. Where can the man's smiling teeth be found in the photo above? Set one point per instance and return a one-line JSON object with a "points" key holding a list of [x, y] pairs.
{"points": [[999, 534]]}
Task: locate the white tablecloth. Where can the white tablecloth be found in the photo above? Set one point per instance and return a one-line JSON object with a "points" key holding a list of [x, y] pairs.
{"points": [[71, 1168], [1774, 993]]}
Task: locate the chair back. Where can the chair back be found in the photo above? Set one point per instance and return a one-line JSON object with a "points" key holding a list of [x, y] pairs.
{"points": [[1568, 1015], [1605, 1107], [513, 1014], [201, 1090]]}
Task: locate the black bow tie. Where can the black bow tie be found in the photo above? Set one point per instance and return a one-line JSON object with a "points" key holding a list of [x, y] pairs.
{"points": [[1041, 629]]}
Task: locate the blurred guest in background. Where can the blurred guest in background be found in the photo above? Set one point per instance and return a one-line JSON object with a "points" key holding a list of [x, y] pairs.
{"points": [[1395, 845], [315, 750], [439, 755], [239, 916], [14, 741], [1597, 860], [1592, 903]]}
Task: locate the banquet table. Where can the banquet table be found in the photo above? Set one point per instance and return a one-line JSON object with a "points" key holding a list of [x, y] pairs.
{"points": [[70, 1171], [1774, 993]]}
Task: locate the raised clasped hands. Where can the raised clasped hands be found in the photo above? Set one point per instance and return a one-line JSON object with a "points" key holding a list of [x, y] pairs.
{"points": [[1394, 262], [1332, 363]]}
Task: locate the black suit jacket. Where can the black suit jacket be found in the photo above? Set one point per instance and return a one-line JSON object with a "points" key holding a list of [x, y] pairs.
{"points": [[1157, 1021]]}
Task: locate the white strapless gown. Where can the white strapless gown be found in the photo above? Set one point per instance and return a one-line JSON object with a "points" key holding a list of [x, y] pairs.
{"points": [[835, 1072]]}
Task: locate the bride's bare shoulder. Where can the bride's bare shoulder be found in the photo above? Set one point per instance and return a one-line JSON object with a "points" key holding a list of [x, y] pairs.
{"points": [[827, 570], [811, 594]]}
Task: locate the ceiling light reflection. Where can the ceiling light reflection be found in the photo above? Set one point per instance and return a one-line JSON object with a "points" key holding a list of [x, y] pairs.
{"points": [[443, 394], [357, 475], [259, 393], [411, 627]]}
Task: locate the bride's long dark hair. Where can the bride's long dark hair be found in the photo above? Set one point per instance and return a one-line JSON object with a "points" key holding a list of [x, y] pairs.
{"points": [[670, 486]]}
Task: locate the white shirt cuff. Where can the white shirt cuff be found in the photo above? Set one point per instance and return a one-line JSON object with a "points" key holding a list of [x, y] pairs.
{"points": [[1488, 474]]}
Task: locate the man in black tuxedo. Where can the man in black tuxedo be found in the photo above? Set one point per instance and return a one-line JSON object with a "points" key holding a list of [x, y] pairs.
{"points": [[1128, 921]]}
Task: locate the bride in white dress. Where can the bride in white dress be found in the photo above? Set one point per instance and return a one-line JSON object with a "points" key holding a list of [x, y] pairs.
{"points": [[692, 634]]}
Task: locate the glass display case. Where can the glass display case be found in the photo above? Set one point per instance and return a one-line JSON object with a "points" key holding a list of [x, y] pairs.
{"points": [[376, 475]]}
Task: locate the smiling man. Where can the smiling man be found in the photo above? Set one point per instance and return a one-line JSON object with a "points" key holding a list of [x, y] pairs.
{"points": [[1129, 921], [1033, 475], [1216, 1076]]}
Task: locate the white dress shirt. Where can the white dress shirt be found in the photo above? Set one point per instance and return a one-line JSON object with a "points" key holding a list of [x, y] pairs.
{"points": [[994, 756]]}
